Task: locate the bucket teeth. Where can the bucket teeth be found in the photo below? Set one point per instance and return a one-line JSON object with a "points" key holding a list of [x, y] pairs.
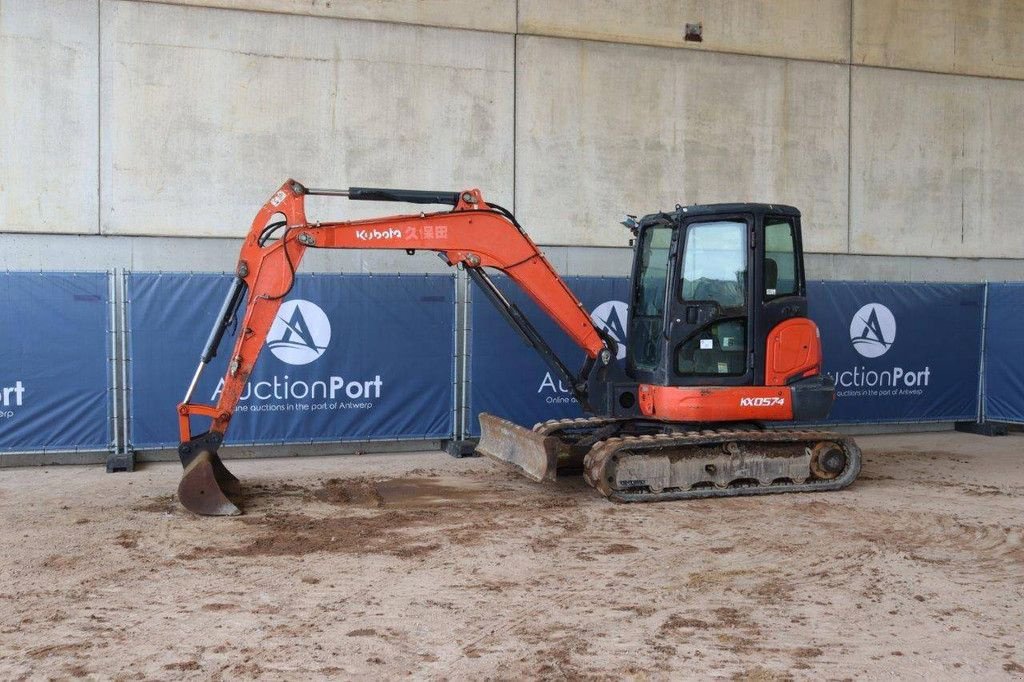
{"points": [[205, 485], [531, 454]]}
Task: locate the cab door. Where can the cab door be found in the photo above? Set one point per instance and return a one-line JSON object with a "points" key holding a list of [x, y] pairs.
{"points": [[709, 331], [646, 340], [781, 292]]}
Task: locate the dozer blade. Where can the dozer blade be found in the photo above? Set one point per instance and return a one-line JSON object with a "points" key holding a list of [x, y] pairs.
{"points": [[531, 454], [205, 486]]}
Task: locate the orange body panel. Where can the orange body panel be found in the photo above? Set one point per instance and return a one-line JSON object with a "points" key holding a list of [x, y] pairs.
{"points": [[716, 403], [793, 350]]}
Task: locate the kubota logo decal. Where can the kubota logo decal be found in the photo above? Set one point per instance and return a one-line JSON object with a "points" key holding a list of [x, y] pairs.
{"points": [[300, 333], [762, 402], [873, 330], [370, 235], [611, 318]]}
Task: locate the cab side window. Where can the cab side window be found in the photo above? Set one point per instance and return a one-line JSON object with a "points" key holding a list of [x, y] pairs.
{"points": [[780, 266]]}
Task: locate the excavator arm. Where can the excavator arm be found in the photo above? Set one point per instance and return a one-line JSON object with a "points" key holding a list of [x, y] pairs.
{"points": [[473, 234]]}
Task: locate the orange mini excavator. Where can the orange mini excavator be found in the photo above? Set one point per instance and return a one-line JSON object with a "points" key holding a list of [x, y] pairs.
{"points": [[718, 347]]}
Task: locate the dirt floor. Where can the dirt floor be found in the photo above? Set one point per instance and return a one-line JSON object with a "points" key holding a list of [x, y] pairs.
{"points": [[423, 565]]}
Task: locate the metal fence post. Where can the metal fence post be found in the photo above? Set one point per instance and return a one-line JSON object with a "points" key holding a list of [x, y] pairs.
{"points": [[981, 362], [123, 457], [115, 404], [462, 445]]}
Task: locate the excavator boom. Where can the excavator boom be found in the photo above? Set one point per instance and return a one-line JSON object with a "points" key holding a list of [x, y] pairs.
{"points": [[473, 234]]}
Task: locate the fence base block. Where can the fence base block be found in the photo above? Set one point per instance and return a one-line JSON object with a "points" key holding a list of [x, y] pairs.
{"points": [[982, 428], [461, 448], [120, 461]]}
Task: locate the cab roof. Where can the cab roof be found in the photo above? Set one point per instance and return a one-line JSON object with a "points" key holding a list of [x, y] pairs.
{"points": [[681, 212]]}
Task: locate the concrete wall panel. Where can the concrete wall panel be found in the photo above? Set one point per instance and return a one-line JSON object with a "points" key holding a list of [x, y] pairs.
{"points": [[206, 112], [936, 165], [98, 252], [949, 36], [482, 15], [48, 105], [803, 29], [605, 129]]}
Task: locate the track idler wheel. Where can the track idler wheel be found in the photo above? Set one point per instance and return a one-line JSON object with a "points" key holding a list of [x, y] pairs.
{"points": [[828, 460]]}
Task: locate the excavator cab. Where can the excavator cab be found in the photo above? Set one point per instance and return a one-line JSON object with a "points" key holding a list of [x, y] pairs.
{"points": [[691, 301], [710, 282], [718, 305]]}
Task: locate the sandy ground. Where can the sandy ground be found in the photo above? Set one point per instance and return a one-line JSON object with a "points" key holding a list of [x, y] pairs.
{"points": [[395, 565]]}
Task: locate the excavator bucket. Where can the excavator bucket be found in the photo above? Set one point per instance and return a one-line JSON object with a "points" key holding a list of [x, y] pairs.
{"points": [[531, 454], [205, 486]]}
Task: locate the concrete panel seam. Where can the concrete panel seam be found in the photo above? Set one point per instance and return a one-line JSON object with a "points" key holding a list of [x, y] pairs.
{"points": [[762, 56], [664, 46], [247, 10], [99, 117], [515, 108], [849, 139], [884, 67]]}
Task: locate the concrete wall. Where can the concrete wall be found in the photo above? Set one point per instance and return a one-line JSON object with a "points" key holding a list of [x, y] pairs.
{"points": [[795, 29], [965, 37], [937, 164], [481, 15], [218, 108], [603, 129], [155, 129], [49, 112]]}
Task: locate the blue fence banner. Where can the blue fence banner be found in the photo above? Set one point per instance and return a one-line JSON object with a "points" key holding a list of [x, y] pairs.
{"points": [[349, 357], [900, 352], [1004, 353], [508, 378], [55, 376], [880, 343]]}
